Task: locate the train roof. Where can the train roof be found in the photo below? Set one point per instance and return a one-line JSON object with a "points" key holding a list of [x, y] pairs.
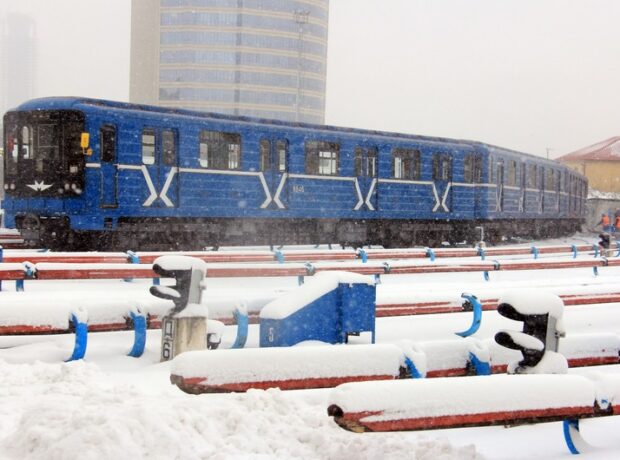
{"points": [[51, 103]]}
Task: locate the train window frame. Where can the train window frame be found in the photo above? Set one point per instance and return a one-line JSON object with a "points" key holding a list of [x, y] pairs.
{"points": [[107, 145], [148, 148], [322, 157], [169, 149], [222, 150], [468, 169], [406, 163]]}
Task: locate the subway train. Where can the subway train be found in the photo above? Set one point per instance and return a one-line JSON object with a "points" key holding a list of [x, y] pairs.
{"points": [[94, 174]]}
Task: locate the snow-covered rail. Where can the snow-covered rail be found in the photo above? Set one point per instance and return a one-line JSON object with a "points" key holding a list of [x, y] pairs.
{"points": [[297, 255], [58, 271]]}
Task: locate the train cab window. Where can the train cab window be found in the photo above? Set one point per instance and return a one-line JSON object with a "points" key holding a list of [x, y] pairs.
{"points": [[442, 167], [108, 143], [265, 155], [365, 162], [322, 157], [281, 150], [406, 164], [472, 169], [27, 142], [219, 150], [169, 147], [148, 146]]}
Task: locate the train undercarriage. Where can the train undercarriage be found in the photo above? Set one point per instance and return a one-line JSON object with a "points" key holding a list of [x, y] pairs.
{"points": [[195, 234]]}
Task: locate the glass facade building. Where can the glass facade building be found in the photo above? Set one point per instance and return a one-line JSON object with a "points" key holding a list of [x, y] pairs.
{"points": [[265, 58]]}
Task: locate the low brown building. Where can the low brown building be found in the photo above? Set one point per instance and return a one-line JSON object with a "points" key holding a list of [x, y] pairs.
{"points": [[600, 163]]}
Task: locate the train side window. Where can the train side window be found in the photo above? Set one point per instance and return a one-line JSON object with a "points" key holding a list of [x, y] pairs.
{"points": [[282, 149], [265, 150], [169, 147], [491, 169], [442, 167], [322, 157], [470, 169], [406, 164], [148, 146], [477, 169], [512, 173], [108, 143], [219, 150], [532, 173], [550, 182], [366, 162]]}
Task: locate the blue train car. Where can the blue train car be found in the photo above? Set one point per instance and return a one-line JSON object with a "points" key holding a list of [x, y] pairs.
{"points": [[102, 174]]}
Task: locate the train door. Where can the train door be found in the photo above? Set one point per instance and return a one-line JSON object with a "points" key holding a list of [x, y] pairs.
{"points": [[499, 178], [274, 154], [109, 166], [442, 182], [160, 159], [366, 176]]}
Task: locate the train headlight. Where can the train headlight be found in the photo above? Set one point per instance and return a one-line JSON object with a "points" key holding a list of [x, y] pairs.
{"points": [[67, 186], [6, 186], [78, 191], [73, 187], [12, 186]]}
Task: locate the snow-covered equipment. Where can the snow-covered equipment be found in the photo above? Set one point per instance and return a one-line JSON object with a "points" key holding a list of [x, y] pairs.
{"points": [[293, 368], [329, 308], [473, 401], [541, 313], [184, 328]]}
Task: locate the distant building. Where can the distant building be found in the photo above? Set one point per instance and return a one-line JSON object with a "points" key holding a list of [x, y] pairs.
{"points": [[600, 163], [265, 58], [17, 60]]}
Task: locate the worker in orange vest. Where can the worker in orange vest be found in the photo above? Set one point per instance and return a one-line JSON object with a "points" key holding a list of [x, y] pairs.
{"points": [[617, 223], [604, 222]]}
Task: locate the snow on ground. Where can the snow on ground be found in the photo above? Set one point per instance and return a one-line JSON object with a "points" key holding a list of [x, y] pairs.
{"points": [[113, 406]]}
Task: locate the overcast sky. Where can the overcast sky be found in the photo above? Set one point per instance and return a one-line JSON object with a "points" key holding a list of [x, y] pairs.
{"points": [[530, 75]]}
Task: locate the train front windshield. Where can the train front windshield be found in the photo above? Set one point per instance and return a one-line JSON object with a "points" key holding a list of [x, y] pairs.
{"points": [[43, 156]]}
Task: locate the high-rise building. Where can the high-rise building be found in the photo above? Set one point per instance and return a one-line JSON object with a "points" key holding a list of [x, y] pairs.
{"points": [[265, 58], [17, 60]]}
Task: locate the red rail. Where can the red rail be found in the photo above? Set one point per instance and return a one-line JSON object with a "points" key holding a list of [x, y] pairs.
{"points": [[288, 255]]}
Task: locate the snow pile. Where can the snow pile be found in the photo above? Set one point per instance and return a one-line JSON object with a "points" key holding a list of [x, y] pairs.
{"points": [[91, 417]]}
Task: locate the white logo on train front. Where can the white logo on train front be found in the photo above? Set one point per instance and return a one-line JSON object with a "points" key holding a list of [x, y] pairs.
{"points": [[39, 186]]}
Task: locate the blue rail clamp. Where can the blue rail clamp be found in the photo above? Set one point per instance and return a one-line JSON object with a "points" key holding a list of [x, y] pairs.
{"points": [[30, 272], [78, 324], [139, 321], [241, 317], [481, 253], [362, 255], [535, 251], [471, 303], [574, 249], [279, 255], [431, 254]]}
